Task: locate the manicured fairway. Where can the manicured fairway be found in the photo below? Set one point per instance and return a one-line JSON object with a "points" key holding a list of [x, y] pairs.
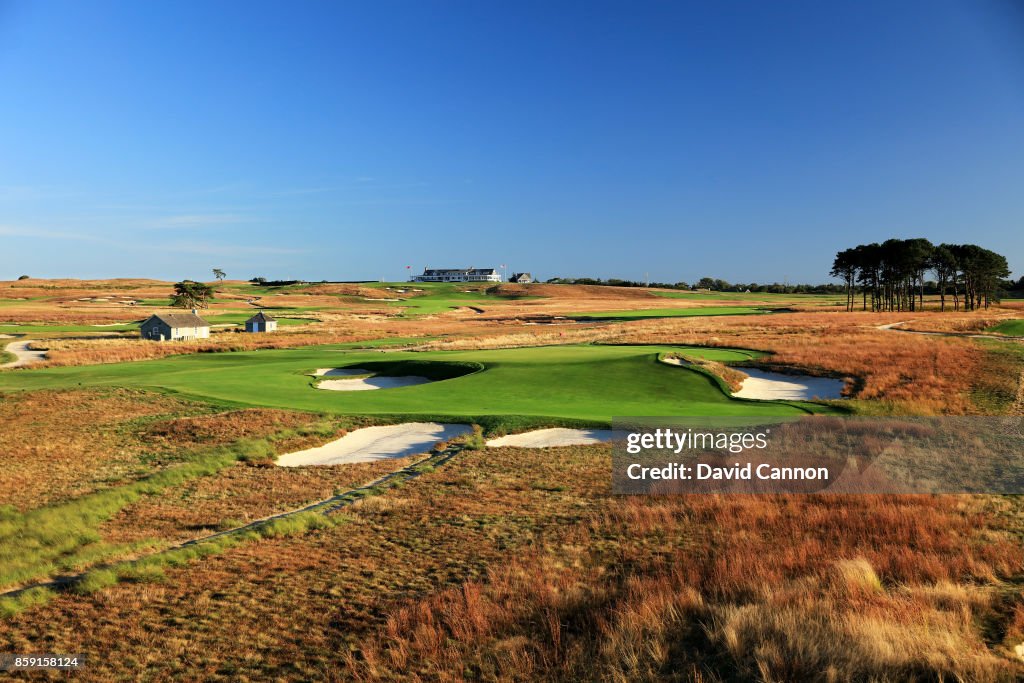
{"points": [[671, 313], [1011, 328], [591, 383]]}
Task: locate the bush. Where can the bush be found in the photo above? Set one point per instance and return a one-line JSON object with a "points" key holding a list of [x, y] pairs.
{"points": [[96, 580], [475, 441], [142, 572], [255, 451], [294, 524], [33, 597]]}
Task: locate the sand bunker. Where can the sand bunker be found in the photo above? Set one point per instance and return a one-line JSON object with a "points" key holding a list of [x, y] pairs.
{"points": [[557, 436], [775, 386], [364, 383], [25, 356], [340, 372], [377, 443], [370, 383]]}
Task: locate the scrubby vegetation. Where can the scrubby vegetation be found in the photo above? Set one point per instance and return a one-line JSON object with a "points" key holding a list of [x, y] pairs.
{"points": [[502, 564], [476, 572]]}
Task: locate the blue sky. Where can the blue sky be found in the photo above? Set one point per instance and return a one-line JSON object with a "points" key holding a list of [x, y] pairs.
{"points": [[337, 140]]}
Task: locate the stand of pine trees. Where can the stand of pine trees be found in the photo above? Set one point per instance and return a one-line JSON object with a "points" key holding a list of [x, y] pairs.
{"points": [[891, 276]]}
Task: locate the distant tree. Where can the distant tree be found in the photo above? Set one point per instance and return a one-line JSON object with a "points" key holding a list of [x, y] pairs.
{"points": [[189, 294], [845, 267], [706, 283], [23, 277], [258, 280], [944, 265], [893, 274], [219, 274]]}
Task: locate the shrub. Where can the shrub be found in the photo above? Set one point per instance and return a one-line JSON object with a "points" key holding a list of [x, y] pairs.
{"points": [[96, 580], [475, 441], [255, 451], [33, 597], [294, 524], [142, 572]]}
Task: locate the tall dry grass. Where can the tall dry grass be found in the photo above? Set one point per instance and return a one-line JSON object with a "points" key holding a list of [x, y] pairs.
{"points": [[815, 588], [64, 352], [922, 374]]}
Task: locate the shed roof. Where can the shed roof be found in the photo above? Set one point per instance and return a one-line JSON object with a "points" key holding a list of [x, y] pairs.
{"points": [[179, 319], [261, 317]]}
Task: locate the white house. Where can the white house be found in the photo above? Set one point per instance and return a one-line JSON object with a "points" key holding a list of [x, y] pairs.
{"points": [[521, 278], [175, 326], [261, 322], [458, 275]]}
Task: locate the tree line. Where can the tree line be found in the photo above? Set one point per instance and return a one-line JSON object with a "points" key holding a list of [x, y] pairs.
{"points": [[706, 283], [891, 276]]}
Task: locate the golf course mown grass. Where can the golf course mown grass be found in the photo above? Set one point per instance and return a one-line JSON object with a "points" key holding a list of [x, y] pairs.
{"points": [[582, 382], [1011, 328]]}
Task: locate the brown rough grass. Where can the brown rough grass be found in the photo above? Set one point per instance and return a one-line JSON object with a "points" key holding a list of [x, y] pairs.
{"points": [[518, 565], [61, 444]]}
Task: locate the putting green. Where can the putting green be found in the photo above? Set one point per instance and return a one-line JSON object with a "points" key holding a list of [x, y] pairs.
{"points": [[592, 383]]}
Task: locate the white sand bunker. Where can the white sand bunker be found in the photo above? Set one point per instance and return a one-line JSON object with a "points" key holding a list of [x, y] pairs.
{"points": [[23, 354], [775, 386], [377, 443], [340, 372], [557, 436], [364, 383]]}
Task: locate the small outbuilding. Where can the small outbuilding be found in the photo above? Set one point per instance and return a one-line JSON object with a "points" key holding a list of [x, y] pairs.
{"points": [[175, 327], [521, 278], [261, 322]]}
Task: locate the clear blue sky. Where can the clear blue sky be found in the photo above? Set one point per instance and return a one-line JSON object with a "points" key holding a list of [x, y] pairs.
{"points": [[338, 140]]}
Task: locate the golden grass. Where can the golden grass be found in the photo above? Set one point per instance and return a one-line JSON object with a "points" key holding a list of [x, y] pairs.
{"points": [[482, 570], [474, 573], [63, 352], [923, 375], [61, 444], [742, 588]]}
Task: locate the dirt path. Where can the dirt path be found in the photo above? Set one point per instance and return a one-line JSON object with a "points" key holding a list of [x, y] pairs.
{"points": [[892, 327], [25, 356]]}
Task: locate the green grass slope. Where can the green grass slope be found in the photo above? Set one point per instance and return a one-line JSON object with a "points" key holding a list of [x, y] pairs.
{"points": [[1011, 328], [592, 383]]}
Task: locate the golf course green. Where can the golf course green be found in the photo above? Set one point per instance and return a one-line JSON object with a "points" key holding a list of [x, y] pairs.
{"points": [[586, 382]]}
